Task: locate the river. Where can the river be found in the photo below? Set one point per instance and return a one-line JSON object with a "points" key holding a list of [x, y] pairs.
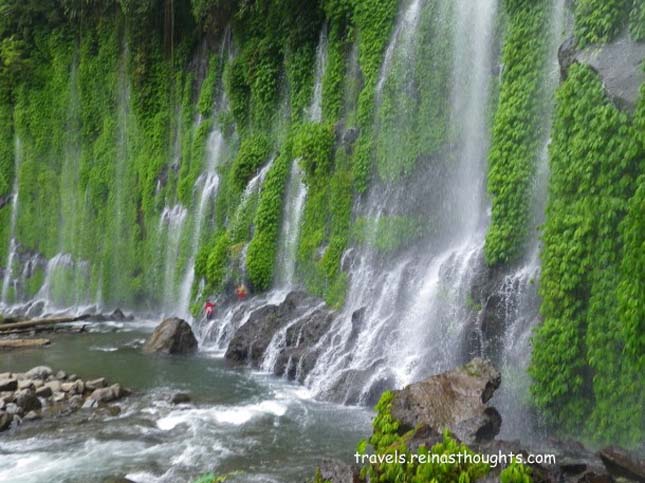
{"points": [[248, 423]]}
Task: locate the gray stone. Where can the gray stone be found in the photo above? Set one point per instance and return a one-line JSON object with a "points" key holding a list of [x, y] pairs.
{"points": [[32, 416], [26, 384], [58, 397], [55, 386], [38, 372], [44, 392], [249, 343], [5, 420], [72, 377], [76, 402], [107, 394], [95, 384], [618, 63], [336, 471], [14, 409], [76, 387], [172, 336], [5, 375], [180, 397], [90, 403], [60, 375], [455, 400], [27, 400], [8, 384]]}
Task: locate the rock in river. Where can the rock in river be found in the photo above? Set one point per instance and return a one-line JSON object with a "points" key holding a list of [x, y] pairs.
{"points": [[455, 400], [172, 336]]}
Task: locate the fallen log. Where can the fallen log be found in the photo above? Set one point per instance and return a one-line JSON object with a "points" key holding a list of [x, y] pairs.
{"points": [[22, 343], [35, 323]]}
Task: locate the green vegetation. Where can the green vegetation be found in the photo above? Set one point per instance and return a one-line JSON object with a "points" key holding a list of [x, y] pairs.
{"points": [[598, 21], [589, 252], [517, 130], [386, 440]]}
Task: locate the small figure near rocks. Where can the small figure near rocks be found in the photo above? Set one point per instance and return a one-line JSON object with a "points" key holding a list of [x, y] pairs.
{"points": [[172, 336]]}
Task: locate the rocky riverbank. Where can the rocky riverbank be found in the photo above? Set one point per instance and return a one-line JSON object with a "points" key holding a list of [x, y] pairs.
{"points": [[446, 410], [43, 393]]}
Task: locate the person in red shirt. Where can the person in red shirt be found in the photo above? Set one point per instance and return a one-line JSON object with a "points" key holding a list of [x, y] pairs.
{"points": [[209, 309], [241, 292]]}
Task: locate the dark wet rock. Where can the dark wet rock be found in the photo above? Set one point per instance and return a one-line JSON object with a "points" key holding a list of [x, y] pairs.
{"points": [[44, 392], [27, 400], [299, 354], [336, 471], [8, 384], [39, 372], [455, 400], [573, 463], [107, 394], [5, 420], [180, 398], [172, 336], [567, 56], [622, 463], [119, 316], [251, 340]]}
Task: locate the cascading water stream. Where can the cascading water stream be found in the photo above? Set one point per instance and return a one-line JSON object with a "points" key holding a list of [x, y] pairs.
{"points": [[413, 305], [296, 192], [207, 185], [519, 289], [171, 225], [13, 243]]}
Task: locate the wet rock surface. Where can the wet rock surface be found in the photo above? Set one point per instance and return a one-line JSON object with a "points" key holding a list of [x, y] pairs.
{"points": [[172, 336], [41, 393], [454, 400], [250, 342]]}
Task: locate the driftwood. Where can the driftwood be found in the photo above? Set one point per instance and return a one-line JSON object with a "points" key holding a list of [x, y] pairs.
{"points": [[29, 324], [22, 343]]}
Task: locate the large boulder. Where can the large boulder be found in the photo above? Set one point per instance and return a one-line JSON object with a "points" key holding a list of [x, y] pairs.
{"points": [[336, 471], [251, 340], [455, 400], [618, 63], [39, 372], [172, 336]]}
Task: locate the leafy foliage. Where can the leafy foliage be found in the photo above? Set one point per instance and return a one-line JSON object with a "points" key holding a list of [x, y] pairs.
{"points": [[580, 347]]}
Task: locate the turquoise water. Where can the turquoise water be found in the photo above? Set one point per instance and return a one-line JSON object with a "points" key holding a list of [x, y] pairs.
{"points": [[262, 428]]}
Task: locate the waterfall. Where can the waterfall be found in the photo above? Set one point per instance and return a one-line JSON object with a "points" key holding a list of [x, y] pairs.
{"points": [[206, 186], [13, 243], [296, 192], [413, 302], [171, 224], [518, 292]]}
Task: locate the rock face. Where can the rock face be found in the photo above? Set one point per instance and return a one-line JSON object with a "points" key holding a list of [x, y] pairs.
{"points": [[618, 63], [299, 314], [172, 336], [623, 464], [454, 400]]}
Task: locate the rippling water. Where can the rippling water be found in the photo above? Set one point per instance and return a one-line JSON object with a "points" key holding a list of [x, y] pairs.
{"points": [[239, 421]]}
